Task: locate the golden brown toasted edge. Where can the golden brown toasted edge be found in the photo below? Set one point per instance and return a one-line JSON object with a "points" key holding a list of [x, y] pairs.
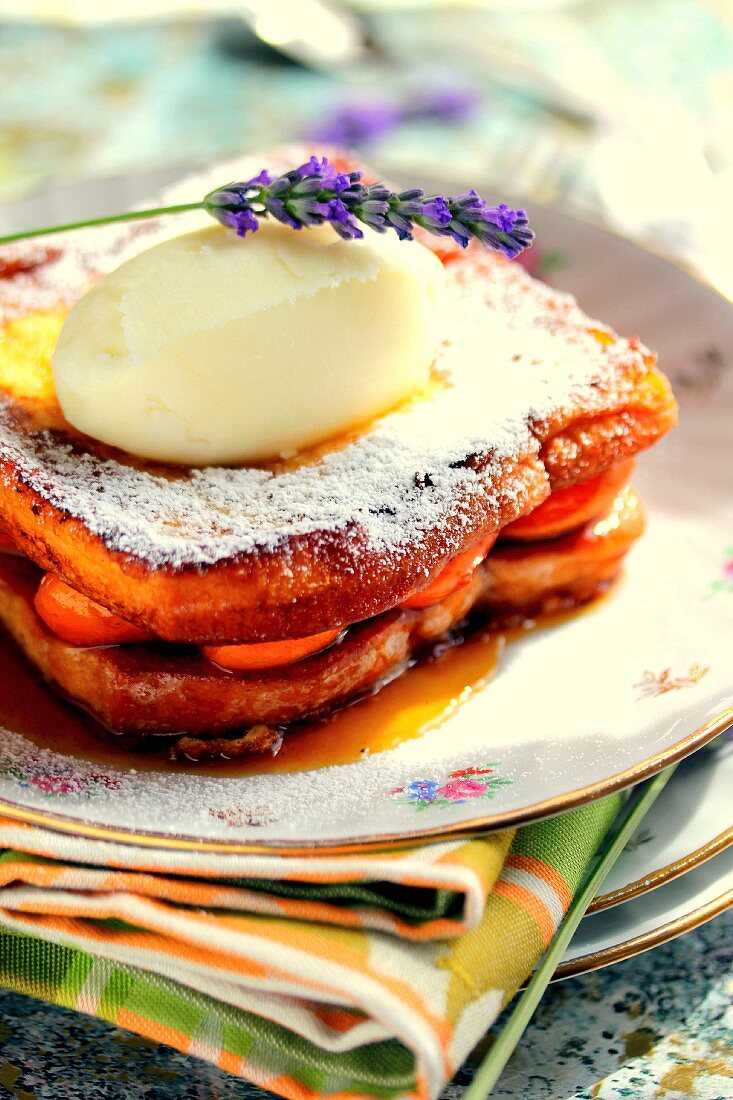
{"points": [[629, 412], [315, 582], [152, 690]]}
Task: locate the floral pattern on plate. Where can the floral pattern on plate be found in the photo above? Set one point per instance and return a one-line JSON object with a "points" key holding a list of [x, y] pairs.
{"points": [[653, 684], [240, 816], [33, 771], [724, 583], [458, 787]]}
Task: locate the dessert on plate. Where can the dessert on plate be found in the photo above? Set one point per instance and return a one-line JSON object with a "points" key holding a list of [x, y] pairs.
{"points": [[243, 482]]}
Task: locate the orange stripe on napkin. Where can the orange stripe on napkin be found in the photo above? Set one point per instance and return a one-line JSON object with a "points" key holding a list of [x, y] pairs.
{"points": [[531, 904], [542, 870]]}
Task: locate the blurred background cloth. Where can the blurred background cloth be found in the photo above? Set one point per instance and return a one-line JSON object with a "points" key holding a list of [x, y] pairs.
{"points": [[620, 109]]}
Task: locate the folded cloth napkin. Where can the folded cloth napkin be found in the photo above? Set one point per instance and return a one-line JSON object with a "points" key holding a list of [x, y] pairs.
{"points": [[321, 976]]}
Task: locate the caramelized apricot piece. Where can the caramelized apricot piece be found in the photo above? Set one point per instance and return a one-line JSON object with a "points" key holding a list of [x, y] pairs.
{"points": [[76, 619], [566, 509], [243, 658], [455, 575]]}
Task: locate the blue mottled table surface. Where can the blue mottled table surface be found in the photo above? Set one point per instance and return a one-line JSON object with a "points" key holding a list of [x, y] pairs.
{"points": [[659, 1025]]}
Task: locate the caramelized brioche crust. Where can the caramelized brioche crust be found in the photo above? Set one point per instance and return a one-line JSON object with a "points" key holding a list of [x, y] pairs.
{"points": [[315, 582]]}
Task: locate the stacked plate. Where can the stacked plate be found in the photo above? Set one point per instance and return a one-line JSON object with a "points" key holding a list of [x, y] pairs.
{"points": [[577, 710]]}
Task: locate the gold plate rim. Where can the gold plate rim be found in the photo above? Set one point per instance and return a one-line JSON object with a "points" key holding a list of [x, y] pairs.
{"points": [[663, 875], [628, 949], [510, 818]]}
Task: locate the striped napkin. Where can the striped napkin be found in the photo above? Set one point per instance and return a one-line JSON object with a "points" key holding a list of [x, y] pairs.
{"points": [[321, 976]]}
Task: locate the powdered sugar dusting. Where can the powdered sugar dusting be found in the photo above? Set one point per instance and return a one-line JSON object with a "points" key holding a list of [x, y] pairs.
{"points": [[515, 351]]}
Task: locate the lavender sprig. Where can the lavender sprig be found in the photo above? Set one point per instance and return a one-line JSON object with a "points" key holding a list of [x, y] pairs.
{"points": [[317, 193]]}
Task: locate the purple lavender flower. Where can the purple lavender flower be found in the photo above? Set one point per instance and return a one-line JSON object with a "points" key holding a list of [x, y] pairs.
{"points": [[316, 193], [358, 123], [443, 104], [242, 221], [264, 179], [502, 216], [363, 121], [343, 221], [436, 211]]}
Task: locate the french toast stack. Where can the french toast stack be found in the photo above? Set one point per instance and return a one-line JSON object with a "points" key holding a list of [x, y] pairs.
{"points": [[503, 490]]}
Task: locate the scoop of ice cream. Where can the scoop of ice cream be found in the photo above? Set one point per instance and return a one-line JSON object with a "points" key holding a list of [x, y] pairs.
{"points": [[207, 349]]}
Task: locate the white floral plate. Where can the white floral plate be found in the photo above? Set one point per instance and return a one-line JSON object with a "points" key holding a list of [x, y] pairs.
{"points": [[576, 711]]}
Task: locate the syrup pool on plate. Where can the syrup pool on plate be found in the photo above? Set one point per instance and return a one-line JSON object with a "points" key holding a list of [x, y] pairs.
{"points": [[404, 709]]}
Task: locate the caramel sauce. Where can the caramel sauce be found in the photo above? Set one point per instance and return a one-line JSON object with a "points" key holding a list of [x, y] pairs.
{"points": [[416, 702], [402, 710]]}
